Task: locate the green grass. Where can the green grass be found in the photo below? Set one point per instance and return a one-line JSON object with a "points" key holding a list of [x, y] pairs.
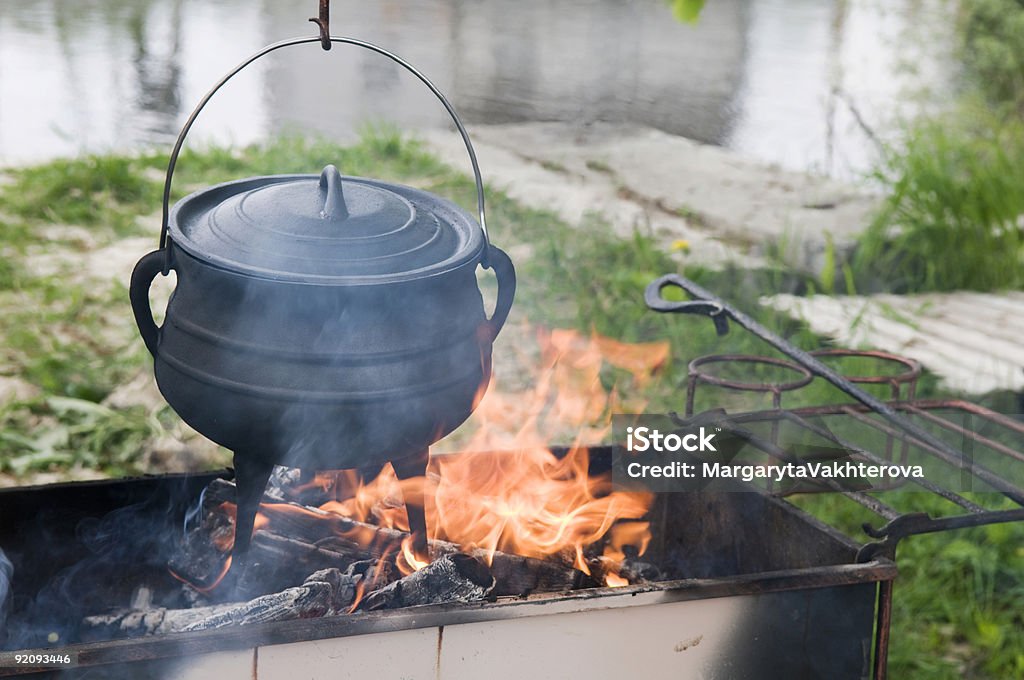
{"points": [[955, 181], [381, 152], [951, 217], [992, 33], [93, 190], [958, 605], [63, 431]]}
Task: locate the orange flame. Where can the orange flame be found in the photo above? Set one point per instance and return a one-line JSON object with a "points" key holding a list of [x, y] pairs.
{"points": [[407, 562], [614, 580], [526, 499]]}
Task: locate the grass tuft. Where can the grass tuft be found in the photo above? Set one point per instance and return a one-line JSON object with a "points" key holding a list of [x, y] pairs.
{"points": [[92, 190], [62, 431], [952, 219]]}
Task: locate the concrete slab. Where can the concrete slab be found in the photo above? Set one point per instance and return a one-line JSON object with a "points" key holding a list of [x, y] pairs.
{"points": [[727, 206], [973, 341]]}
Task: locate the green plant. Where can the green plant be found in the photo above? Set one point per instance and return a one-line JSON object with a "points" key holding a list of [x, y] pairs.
{"points": [[92, 190], [61, 431], [993, 47], [952, 216], [687, 11]]}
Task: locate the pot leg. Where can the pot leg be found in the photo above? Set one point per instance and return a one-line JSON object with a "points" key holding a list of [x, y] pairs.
{"points": [[408, 468], [251, 475]]}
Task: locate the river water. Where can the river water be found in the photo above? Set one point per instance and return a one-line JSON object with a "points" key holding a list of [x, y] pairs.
{"points": [[802, 83]]}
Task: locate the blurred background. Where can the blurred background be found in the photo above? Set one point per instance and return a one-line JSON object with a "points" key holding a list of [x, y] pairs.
{"points": [[780, 80]]}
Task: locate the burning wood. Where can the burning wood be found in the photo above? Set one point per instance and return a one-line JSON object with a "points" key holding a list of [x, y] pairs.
{"points": [[324, 592], [293, 538], [450, 578], [616, 573], [275, 562], [527, 501]]}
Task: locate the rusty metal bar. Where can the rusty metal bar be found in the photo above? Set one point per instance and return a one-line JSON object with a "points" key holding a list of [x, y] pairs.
{"points": [[908, 377], [927, 484], [882, 629], [966, 432], [975, 409], [798, 419], [695, 366], [772, 449], [899, 525], [323, 22], [925, 404], [724, 312], [921, 408], [1009, 490]]}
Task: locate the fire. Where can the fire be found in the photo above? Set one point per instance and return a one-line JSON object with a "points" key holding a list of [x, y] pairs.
{"points": [[512, 492], [615, 581], [407, 561], [380, 501], [525, 499]]}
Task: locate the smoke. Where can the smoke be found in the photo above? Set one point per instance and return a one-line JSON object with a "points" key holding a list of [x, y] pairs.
{"points": [[96, 564]]}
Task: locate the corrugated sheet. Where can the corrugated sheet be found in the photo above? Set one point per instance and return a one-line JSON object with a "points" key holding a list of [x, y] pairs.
{"points": [[973, 341]]}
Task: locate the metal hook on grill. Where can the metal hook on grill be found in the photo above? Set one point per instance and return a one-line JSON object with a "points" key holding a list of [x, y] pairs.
{"points": [[324, 22], [711, 308]]}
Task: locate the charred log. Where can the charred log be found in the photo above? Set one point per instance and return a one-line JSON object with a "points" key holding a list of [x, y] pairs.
{"points": [[324, 592], [637, 571], [337, 537], [276, 562], [450, 578], [630, 569]]}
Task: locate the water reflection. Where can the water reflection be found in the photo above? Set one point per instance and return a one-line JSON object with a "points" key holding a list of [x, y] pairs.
{"points": [[772, 78], [157, 66]]}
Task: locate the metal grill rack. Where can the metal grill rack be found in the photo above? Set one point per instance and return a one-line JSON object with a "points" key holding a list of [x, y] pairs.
{"points": [[986, 454]]}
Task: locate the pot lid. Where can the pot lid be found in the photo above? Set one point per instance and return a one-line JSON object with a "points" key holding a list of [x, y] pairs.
{"points": [[309, 228]]}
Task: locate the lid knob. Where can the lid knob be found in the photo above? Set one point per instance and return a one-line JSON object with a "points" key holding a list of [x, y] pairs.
{"points": [[334, 201]]}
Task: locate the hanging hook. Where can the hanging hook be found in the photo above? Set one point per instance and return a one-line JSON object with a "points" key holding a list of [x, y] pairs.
{"points": [[324, 22]]}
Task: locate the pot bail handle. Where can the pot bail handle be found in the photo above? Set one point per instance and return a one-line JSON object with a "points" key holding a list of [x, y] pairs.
{"points": [[165, 217]]}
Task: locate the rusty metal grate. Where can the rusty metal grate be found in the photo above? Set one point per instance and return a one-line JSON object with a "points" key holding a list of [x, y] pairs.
{"points": [[983, 479], [989, 443], [976, 450]]}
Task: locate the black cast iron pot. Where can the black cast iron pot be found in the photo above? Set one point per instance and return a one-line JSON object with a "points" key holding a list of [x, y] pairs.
{"points": [[321, 322]]}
